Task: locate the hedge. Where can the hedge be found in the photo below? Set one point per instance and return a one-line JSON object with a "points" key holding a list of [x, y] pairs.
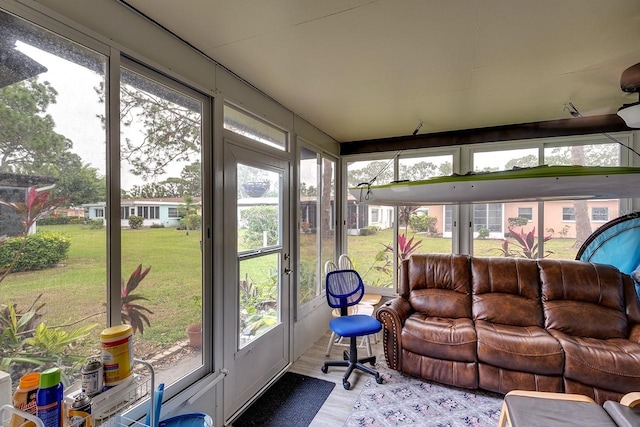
{"points": [[42, 250]]}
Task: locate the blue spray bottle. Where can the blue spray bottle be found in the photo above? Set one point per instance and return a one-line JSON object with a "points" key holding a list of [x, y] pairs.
{"points": [[49, 398]]}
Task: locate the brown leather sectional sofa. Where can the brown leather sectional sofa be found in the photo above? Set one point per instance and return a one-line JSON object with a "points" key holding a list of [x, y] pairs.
{"points": [[502, 324]]}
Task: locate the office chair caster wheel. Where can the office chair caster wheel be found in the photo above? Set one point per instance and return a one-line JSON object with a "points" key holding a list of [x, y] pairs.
{"points": [[372, 362], [379, 379], [346, 384], [324, 369]]}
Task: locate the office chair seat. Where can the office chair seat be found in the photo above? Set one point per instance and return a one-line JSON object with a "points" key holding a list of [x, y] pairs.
{"points": [[355, 325]]}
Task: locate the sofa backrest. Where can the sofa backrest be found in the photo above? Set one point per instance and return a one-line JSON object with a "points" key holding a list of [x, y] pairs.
{"points": [[583, 299], [437, 285], [506, 291]]}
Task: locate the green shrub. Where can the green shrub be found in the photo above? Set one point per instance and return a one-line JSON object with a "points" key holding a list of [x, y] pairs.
{"points": [[42, 250], [483, 233], [370, 230], [423, 223], [135, 221], [517, 221], [55, 220], [96, 224], [261, 219], [194, 221], [156, 225]]}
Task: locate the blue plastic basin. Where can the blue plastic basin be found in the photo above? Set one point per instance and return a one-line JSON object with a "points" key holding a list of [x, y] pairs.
{"points": [[192, 419]]}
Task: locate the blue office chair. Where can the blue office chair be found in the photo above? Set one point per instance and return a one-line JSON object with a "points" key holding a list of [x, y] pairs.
{"points": [[345, 289]]}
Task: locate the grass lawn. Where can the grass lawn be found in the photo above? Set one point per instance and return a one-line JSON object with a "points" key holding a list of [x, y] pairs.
{"points": [[76, 289]]}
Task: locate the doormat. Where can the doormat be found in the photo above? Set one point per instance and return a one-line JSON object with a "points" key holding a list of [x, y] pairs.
{"points": [[294, 400]]}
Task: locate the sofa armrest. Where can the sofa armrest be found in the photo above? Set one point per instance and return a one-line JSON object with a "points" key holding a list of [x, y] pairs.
{"points": [[392, 315]]}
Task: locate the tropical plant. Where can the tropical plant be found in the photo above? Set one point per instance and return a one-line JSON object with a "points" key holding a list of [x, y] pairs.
{"points": [[405, 247], [133, 313], [527, 245]]}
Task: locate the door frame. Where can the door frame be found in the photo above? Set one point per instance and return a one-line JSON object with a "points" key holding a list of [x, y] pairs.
{"points": [[242, 386]]}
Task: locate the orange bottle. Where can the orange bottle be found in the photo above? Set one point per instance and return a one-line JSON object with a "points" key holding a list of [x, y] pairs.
{"points": [[24, 399]]}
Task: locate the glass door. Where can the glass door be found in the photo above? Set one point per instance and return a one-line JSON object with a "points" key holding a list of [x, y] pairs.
{"points": [[258, 264]]}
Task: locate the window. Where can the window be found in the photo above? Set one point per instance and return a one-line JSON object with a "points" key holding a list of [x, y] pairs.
{"points": [[160, 118], [172, 212], [493, 221], [487, 216], [242, 123], [124, 212], [52, 108], [363, 240], [599, 214], [525, 212], [316, 231], [375, 214], [149, 212], [568, 214]]}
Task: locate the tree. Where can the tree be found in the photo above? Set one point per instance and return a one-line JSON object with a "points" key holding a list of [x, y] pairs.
{"points": [[171, 128], [372, 169], [28, 142]]}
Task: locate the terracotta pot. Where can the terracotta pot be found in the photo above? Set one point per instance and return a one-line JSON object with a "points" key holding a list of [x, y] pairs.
{"points": [[194, 331]]}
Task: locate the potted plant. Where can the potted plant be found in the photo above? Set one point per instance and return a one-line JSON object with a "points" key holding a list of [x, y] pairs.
{"points": [[194, 330]]}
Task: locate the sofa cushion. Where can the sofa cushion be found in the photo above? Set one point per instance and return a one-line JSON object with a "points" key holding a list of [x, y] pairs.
{"points": [[506, 291], [574, 293], [441, 338], [612, 364], [439, 285], [526, 349]]}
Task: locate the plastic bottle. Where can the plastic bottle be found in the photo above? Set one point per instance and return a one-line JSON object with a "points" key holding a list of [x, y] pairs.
{"points": [[24, 399], [117, 354], [50, 397]]}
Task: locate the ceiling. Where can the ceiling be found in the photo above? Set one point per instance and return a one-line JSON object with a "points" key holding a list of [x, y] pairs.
{"points": [[363, 69]]}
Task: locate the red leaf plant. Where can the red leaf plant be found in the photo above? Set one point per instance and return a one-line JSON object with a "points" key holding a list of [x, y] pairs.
{"points": [[527, 242], [133, 313]]}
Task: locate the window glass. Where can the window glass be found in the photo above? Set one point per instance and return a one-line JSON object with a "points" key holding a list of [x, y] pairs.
{"points": [[500, 229], [568, 223], [327, 214], [370, 246], [426, 225], [244, 124], [52, 147], [600, 214], [526, 213], [308, 226], [317, 219], [161, 253]]}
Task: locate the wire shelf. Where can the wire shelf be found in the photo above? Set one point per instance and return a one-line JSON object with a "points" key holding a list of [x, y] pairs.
{"points": [[107, 408]]}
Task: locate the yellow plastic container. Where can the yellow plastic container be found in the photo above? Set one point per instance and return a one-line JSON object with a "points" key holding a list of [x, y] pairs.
{"points": [[117, 354]]}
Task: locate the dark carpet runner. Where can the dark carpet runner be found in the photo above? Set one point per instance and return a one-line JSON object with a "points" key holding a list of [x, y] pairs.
{"points": [[294, 400]]}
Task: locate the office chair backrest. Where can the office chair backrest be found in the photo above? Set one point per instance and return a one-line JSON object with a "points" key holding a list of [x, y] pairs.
{"points": [[344, 289]]}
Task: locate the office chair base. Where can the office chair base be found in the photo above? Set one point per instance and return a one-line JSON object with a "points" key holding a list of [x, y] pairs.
{"points": [[351, 362]]}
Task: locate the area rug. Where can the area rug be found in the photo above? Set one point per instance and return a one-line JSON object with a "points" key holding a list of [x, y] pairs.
{"points": [[294, 400], [405, 401]]}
